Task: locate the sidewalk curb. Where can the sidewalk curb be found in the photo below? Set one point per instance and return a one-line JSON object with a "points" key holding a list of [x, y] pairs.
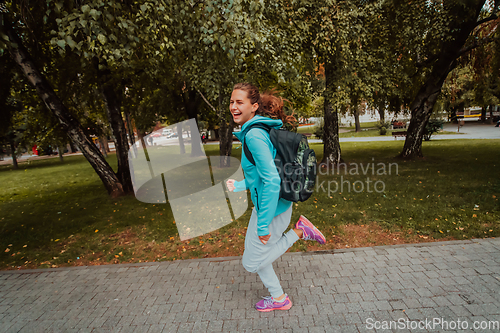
{"points": [[221, 259]]}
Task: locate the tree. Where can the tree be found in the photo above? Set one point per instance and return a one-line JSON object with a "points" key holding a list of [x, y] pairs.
{"points": [[485, 62], [21, 56], [334, 35], [220, 43], [7, 108], [318, 26], [113, 40], [428, 38]]}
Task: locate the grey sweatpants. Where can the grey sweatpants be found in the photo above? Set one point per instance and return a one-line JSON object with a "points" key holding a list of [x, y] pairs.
{"points": [[258, 258]]}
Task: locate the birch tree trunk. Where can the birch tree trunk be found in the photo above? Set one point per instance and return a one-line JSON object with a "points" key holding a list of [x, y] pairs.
{"points": [[113, 109], [71, 125]]}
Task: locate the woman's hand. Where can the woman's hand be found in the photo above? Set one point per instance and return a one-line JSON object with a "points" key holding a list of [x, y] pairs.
{"points": [[264, 239], [230, 185]]}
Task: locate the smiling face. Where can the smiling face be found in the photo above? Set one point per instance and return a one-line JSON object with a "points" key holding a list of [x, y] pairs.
{"points": [[241, 107]]}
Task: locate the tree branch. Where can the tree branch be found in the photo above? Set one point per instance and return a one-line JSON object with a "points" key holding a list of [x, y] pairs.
{"points": [[206, 101], [493, 15], [478, 43], [427, 61], [489, 18]]}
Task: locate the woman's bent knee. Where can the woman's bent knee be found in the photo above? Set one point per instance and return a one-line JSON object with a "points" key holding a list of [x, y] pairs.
{"points": [[248, 265]]}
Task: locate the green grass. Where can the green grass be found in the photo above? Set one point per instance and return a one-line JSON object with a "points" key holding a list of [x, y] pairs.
{"points": [[368, 124], [365, 132], [53, 213], [309, 129], [375, 132], [453, 191]]}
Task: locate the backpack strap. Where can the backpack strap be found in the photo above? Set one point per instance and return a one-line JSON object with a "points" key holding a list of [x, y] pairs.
{"points": [[248, 154]]}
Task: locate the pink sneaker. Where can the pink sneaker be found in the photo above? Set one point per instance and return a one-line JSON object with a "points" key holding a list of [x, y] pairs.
{"points": [[269, 304], [309, 230]]}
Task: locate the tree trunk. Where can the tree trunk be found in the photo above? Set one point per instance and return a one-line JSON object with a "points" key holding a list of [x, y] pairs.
{"points": [[491, 114], [381, 111], [55, 105], [72, 148], [60, 151], [112, 103], [106, 143], [226, 136], [140, 134], [483, 114], [103, 147], [423, 104], [13, 152], [130, 128], [331, 147], [421, 110], [453, 115], [182, 148], [226, 142], [356, 118], [191, 105]]}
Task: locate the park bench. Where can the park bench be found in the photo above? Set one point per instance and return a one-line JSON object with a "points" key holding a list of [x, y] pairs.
{"points": [[399, 133], [398, 124]]}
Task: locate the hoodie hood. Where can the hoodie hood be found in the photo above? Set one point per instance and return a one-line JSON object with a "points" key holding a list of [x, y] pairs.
{"points": [[272, 123]]}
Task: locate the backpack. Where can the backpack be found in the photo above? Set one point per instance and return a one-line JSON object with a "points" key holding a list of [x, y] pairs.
{"points": [[295, 162]]}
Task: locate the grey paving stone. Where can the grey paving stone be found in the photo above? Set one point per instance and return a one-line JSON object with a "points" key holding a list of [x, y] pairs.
{"points": [[215, 326], [447, 281]]}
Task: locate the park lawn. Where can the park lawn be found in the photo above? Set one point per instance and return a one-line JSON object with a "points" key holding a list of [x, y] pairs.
{"points": [[368, 124], [365, 132], [55, 214], [375, 132]]}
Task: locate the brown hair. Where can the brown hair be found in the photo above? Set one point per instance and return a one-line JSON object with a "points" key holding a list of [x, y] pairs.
{"points": [[269, 104]]}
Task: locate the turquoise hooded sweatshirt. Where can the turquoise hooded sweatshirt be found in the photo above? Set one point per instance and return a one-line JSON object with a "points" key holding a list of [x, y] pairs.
{"points": [[262, 179]]}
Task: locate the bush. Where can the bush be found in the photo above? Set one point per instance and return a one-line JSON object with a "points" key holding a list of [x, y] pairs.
{"points": [[382, 127], [319, 130], [433, 126]]}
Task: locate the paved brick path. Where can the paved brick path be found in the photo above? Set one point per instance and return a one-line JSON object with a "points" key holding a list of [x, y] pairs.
{"points": [[332, 292]]}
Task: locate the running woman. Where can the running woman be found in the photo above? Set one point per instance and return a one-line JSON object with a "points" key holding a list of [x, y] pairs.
{"points": [[265, 239]]}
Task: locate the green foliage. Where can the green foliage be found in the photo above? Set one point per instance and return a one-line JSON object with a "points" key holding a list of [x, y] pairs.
{"points": [[433, 126], [158, 51], [383, 126], [319, 130]]}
